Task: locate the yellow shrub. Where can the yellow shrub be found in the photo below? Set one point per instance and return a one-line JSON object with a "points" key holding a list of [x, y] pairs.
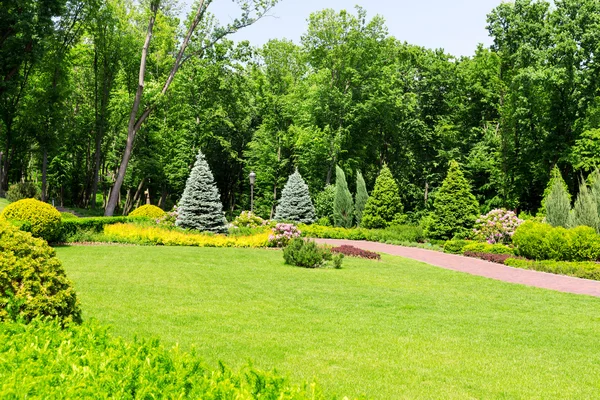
{"points": [[45, 220], [157, 235], [147, 210]]}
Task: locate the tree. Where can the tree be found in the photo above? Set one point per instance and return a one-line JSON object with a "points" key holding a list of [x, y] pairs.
{"points": [[362, 196], [324, 203], [594, 179], [558, 204], [343, 206], [384, 206], [585, 209], [455, 207], [555, 177], [200, 206], [295, 203]]}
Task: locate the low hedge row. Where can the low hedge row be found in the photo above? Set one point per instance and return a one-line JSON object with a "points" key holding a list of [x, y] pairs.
{"points": [[393, 234], [469, 246], [41, 360], [582, 269], [94, 224], [495, 258]]}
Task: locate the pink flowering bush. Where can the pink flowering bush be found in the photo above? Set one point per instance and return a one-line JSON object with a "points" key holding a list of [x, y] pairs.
{"points": [[281, 234], [168, 220], [497, 226]]}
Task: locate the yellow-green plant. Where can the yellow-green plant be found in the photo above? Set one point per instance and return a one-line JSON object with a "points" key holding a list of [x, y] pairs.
{"points": [[43, 219], [147, 210]]}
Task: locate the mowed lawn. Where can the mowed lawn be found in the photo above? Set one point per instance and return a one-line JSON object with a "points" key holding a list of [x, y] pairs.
{"points": [[389, 329]]}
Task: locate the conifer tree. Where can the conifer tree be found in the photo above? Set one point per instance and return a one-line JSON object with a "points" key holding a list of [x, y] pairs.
{"points": [[594, 178], [455, 207], [295, 203], [200, 207], [558, 204], [585, 209], [555, 176], [384, 206], [361, 197], [343, 206]]}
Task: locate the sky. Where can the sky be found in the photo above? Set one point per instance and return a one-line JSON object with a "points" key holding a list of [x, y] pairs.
{"points": [[457, 26]]}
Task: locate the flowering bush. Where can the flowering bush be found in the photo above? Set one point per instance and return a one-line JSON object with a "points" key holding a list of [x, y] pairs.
{"points": [[247, 219], [282, 233], [168, 219], [497, 226]]}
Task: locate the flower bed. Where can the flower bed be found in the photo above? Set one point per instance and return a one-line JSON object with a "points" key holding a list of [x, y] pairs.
{"points": [[355, 252]]}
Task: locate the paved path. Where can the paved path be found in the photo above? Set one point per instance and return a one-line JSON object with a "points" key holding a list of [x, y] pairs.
{"points": [[475, 266]]}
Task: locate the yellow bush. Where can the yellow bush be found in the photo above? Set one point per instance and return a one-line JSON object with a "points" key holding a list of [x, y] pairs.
{"points": [[147, 210], [157, 235], [44, 220]]}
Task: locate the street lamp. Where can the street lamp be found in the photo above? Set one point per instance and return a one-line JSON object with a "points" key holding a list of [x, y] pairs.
{"points": [[252, 177]]}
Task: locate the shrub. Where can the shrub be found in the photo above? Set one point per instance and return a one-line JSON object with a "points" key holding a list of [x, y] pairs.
{"points": [[147, 210], [44, 360], [44, 219], [22, 190], [455, 207], [200, 206], [308, 254], [582, 269], [393, 234], [362, 196], [295, 203], [324, 205], [281, 234], [557, 204], [343, 206], [497, 226], [248, 219], [455, 246], [72, 227], [384, 206], [479, 247], [67, 215], [491, 257], [169, 219], [585, 244], [585, 211], [355, 252], [32, 280]]}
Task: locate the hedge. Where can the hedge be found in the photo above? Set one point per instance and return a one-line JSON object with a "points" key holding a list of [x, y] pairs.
{"points": [[94, 224], [393, 234], [582, 269]]}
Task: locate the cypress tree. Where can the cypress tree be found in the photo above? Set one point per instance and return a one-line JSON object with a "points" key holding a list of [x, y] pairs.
{"points": [[455, 207], [384, 206], [585, 209], [343, 206], [200, 206], [361, 197], [558, 204], [295, 203], [595, 181], [555, 176]]}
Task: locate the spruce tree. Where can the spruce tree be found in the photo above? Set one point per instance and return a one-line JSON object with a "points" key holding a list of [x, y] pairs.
{"points": [[343, 206], [295, 203], [384, 206], [555, 176], [200, 206], [585, 209], [455, 207], [361, 197], [558, 205]]}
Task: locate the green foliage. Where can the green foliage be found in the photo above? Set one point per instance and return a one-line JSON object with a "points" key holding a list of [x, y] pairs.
{"points": [[32, 280], [585, 209], [581, 269], [67, 215], [200, 206], [295, 203], [557, 203], [455, 246], [307, 254], [45, 220], [455, 207], [248, 219], [384, 206], [22, 190], [148, 211], [395, 234], [362, 196], [594, 177], [562, 189], [343, 206], [324, 204], [480, 247], [78, 226], [89, 362]]}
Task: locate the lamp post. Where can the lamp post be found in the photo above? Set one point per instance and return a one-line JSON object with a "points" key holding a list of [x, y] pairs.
{"points": [[252, 177]]}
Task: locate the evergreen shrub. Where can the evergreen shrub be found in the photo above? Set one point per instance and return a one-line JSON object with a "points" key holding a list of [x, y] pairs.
{"points": [[362, 196], [585, 209], [44, 220], [556, 179], [32, 280], [557, 204], [455, 246], [148, 211], [384, 207], [343, 206], [324, 205], [22, 190], [308, 254], [295, 203]]}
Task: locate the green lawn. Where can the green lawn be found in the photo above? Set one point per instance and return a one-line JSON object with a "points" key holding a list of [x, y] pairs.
{"points": [[388, 329], [3, 203]]}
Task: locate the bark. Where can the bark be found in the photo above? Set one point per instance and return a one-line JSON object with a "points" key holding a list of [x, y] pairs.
{"points": [[163, 199]]}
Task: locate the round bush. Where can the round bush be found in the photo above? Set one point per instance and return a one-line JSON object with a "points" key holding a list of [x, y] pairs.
{"points": [[45, 220], [32, 280], [22, 190], [147, 210]]}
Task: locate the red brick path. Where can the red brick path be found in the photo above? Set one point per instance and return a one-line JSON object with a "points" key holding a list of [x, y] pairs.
{"points": [[475, 266]]}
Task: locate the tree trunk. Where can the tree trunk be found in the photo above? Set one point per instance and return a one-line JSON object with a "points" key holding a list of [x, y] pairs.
{"points": [[163, 198], [44, 175]]}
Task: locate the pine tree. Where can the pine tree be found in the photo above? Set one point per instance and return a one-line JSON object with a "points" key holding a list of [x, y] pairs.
{"points": [[200, 206], [361, 197], [558, 204], [295, 203], [555, 176], [343, 206], [455, 207], [384, 206], [585, 209]]}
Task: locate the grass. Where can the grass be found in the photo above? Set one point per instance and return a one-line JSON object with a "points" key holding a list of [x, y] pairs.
{"points": [[3, 203], [389, 329]]}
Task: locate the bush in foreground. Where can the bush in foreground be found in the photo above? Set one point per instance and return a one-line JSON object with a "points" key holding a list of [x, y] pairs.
{"points": [[44, 220], [147, 210], [32, 280], [41, 360], [308, 254]]}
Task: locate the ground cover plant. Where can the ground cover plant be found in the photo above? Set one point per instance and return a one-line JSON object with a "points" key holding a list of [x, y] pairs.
{"points": [[386, 329], [356, 252]]}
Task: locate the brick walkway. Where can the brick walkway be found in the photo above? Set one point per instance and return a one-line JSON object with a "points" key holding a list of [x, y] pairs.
{"points": [[475, 266]]}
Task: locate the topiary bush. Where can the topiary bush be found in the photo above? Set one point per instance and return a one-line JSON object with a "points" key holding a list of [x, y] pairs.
{"points": [[384, 206], [149, 211], [22, 190], [44, 220], [32, 280]]}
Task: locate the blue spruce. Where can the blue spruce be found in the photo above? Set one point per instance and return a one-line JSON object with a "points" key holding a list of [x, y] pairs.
{"points": [[295, 203]]}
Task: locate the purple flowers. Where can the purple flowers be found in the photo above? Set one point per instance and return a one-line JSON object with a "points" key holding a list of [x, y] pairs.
{"points": [[497, 226], [282, 234]]}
